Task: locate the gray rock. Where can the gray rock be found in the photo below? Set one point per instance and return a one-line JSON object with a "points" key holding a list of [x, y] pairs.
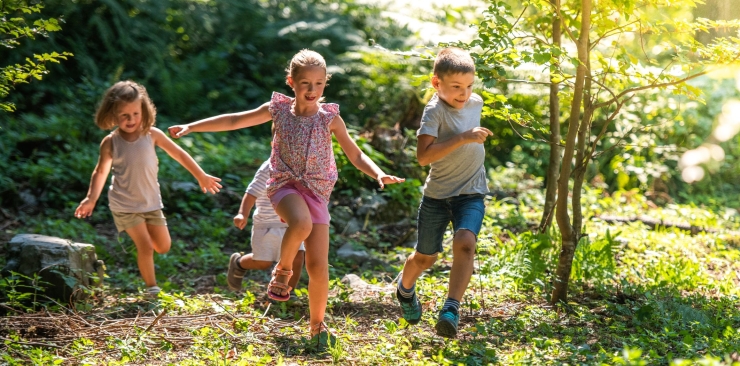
{"points": [[65, 266], [370, 204], [340, 215], [348, 252], [354, 282], [29, 200], [412, 240], [353, 226], [343, 220]]}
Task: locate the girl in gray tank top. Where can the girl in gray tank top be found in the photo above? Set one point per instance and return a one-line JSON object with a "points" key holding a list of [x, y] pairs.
{"points": [[133, 196]]}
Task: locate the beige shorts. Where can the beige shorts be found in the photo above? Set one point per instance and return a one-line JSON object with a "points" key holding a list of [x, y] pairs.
{"points": [[266, 243], [125, 220]]}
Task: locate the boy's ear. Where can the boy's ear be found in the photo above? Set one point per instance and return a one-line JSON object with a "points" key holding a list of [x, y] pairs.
{"points": [[435, 82]]}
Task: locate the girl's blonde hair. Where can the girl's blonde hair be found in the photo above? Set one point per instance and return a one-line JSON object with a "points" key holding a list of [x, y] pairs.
{"points": [[303, 58], [125, 92]]}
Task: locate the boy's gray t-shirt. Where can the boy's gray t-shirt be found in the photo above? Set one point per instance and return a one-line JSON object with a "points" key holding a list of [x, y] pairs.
{"points": [[461, 171]]}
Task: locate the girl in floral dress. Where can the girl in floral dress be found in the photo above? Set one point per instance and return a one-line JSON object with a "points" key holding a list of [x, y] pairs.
{"points": [[302, 175]]}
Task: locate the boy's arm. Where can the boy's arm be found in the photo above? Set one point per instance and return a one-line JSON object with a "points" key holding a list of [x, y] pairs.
{"points": [[225, 122], [357, 157], [207, 182], [429, 151], [97, 181], [240, 220]]}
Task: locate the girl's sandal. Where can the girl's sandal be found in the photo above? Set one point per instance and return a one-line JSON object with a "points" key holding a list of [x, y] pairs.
{"points": [[274, 284]]}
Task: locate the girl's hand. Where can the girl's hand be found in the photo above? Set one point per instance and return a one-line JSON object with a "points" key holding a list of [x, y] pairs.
{"points": [[240, 221], [85, 209], [209, 183], [384, 179], [178, 131]]}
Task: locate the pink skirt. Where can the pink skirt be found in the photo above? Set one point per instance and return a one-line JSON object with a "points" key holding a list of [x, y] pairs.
{"points": [[319, 209]]}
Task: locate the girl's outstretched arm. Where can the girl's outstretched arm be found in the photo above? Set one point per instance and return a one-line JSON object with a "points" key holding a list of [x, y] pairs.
{"points": [[357, 157], [207, 182], [225, 122], [97, 181]]}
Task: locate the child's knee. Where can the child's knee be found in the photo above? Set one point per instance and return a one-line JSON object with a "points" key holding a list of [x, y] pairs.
{"points": [[464, 241], [162, 247], [424, 260], [315, 270], [304, 226]]}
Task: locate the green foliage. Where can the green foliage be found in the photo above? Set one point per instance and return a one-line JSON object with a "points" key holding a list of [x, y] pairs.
{"points": [[16, 23], [594, 261], [20, 293], [516, 60], [203, 57]]}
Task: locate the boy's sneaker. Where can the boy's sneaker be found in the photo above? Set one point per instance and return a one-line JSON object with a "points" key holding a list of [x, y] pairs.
{"points": [[152, 292], [447, 323], [235, 274], [411, 308]]}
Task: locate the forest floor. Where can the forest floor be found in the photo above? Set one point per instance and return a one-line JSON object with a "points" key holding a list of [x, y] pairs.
{"points": [[638, 295]]}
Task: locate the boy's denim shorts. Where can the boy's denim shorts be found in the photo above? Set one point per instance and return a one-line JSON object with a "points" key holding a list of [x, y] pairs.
{"points": [[464, 211]]}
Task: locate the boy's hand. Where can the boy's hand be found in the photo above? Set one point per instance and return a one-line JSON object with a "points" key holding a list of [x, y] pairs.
{"points": [[209, 183], [178, 131], [240, 221], [85, 209], [384, 179], [477, 134]]}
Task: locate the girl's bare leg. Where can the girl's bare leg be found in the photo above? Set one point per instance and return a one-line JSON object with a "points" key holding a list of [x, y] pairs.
{"points": [[317, 266], [294, 211], [161, 241], [144, 252], [297, 268]]}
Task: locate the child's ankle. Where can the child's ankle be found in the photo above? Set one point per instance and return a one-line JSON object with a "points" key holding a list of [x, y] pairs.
{"points": [[317, 328], [406, 293], [239, 263]]}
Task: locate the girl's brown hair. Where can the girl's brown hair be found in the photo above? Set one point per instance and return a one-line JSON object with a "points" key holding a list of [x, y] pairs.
{"points": [[303, 58], [125, 92]]}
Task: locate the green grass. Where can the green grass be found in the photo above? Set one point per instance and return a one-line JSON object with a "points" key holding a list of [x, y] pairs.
{"points": [[637, 296]]}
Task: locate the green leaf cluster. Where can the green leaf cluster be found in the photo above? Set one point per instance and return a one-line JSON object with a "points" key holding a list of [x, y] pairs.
{"points": [[16, 23]]}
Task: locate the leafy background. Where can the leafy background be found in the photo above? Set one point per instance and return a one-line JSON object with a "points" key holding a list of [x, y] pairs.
{"points": [[640, 295]]}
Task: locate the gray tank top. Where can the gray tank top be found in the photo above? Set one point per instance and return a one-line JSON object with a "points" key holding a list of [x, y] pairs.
{"points": [[134, 187]]}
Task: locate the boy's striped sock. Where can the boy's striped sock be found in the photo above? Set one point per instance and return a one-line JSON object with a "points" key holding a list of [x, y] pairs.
{"points": [[406, 293], [451, 303]]}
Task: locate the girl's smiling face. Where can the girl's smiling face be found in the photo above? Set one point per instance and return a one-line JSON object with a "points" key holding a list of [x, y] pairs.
{"points": [[128, 117], [308, 84]]}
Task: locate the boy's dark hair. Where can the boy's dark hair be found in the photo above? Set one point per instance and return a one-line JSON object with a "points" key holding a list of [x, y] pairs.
{"points": [[453, 60]]}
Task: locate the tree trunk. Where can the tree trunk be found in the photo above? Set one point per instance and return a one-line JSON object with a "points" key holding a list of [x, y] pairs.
{"points": [[568, 235], [582, 155], [553, 166], [716, 10]]}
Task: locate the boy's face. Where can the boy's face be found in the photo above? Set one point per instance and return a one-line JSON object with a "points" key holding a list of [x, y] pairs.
{"points": [[454, 89]]}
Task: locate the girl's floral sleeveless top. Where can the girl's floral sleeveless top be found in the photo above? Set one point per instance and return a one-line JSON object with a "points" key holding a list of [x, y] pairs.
{"points": [[301, 148]]}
